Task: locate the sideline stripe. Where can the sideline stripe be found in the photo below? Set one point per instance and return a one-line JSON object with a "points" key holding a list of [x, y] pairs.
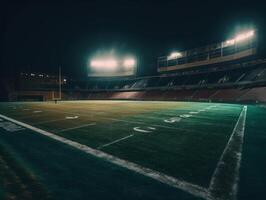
{"points": [[108, 144], [163, 178], [233, 152]]}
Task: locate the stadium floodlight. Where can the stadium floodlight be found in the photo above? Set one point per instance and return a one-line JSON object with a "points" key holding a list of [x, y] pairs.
{"points": [[129, 62], [240, 38], [104, 64], [244, 36], [229, 42], [174, 55]]}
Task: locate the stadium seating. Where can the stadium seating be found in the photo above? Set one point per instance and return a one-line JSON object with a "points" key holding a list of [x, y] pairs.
{"points": [[204, 94], [228, 95], [242, 81], [254, 95]]}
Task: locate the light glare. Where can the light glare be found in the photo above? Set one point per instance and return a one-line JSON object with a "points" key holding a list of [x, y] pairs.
{"points": [[129, 62], [229, 42], [108, 63], [244, 36], [239, 38], [174, 55]]}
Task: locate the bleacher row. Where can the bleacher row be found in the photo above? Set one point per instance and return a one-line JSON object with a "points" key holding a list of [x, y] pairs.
{"points": [[244, 82], [252, 95], [241, 82], [255, 72]]}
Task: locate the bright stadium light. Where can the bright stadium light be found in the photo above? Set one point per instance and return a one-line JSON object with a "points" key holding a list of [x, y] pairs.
{"points": [[229, 42], [129, 62], [111, 65], [104, 63], [174, 55], [240, 38], [244, 36]]}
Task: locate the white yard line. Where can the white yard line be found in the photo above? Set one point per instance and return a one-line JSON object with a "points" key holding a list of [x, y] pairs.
{"points": [[69, 113], [222, 168], [32, 116], [148, 124], [77, 127], [115, 141], [49, 121], [163, 178], [37, 111], [131, 121], [193, 112]]}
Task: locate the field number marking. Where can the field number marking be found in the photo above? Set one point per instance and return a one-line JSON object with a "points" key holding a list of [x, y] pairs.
{"points": [[190, 114], [72, 117], [144, 130], [37, 111], [173, 120], [185, 116], [9, 126], [191, 188]]}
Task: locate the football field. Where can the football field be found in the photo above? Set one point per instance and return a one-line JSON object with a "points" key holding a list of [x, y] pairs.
{"points": [[132, 150]]}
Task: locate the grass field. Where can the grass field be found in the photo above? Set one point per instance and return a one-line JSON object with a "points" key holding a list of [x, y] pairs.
{"points": [[132, 150]]}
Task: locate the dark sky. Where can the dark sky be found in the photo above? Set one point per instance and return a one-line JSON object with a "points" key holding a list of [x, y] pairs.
{"points": [[40, 36]]}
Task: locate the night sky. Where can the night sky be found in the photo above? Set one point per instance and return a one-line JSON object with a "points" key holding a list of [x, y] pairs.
{"points": [[39, 36]]}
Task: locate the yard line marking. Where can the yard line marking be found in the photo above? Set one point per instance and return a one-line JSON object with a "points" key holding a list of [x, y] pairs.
{"points": [[138, 129], [86, 115], [185, 116], [32, 116], [48, 121], [147, 124], [149, 117], [136, 122], [152, 128], [76, 127], [72, 117], [69, 113], [163, 178], [172, 120], [10, 127], [233, 151], [37, 111], [115, 141]]}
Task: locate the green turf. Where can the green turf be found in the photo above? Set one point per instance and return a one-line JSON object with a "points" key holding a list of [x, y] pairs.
{"points": [[187, 150], [68, 174], [253, 170]]}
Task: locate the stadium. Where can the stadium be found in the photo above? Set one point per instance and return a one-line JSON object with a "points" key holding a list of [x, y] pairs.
{"points": [[195, 129]]}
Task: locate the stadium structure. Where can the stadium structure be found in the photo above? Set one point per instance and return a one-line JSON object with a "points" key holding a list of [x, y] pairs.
{"points": [[230, 71], [195, 130]]}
